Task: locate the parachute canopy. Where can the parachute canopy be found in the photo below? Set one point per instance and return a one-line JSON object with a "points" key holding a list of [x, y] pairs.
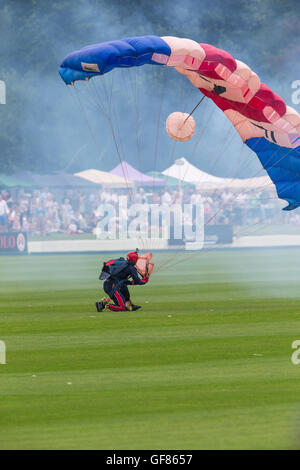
{"points": [[264, 122]]}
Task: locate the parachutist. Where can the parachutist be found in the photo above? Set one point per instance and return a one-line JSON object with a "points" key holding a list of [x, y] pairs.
{"points": [[117, 275]]}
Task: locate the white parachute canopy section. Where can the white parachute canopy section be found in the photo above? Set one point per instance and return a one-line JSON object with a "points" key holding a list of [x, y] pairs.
{"points": [[180, 126]]}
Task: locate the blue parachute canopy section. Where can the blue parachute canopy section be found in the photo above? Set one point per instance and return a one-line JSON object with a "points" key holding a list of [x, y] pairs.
{"points": [[101, 58], [282, 165]]}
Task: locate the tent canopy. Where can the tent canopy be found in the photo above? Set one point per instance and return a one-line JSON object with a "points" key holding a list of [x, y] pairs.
{"points": [[170, 182], [12, 182], [104, 178], [260, 182], [124, 169], [185, 171], [73, 181], [58, 180]]}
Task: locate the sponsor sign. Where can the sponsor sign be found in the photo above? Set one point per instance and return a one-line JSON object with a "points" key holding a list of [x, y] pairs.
{"points": [[13, 243]]}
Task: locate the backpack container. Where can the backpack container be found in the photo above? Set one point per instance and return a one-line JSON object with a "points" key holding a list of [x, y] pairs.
{"points": [[112, 268]]}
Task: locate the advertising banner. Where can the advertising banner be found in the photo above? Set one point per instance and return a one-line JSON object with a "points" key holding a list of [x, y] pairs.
{"points": [[13, 243]]}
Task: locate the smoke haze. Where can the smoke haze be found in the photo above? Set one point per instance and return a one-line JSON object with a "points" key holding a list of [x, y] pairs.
{"points": [[46, 126]]}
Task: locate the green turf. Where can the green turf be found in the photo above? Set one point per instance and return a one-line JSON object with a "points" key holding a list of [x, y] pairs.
{"points": [[206, 364]]}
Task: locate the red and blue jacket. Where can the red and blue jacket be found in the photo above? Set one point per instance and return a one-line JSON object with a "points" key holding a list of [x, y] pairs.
{"points": [[130, 271], [122, 277]]}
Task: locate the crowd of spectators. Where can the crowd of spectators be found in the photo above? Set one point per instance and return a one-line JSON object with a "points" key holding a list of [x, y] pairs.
{"points": [[42, 212]]}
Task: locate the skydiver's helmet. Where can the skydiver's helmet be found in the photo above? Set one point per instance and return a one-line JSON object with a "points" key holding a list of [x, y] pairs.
{"points": [[132, 256]]}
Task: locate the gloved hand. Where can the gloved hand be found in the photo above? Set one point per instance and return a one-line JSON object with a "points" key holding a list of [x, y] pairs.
{"points": [[145, 279]]}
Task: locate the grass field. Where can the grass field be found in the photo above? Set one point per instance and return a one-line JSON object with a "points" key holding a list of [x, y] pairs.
{"points": [[206, 363]]}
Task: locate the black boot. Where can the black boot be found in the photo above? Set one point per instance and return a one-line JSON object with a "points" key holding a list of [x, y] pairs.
{"points": [[100, 306], [135, 307]]}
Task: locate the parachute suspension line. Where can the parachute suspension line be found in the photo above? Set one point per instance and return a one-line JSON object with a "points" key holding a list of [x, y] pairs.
{"points": [[115, 115], [83, 113], [245, 165], [222, 207], [185, 258], [246, 161], [275, 164], [99, 100], [211, 218], [236, 171], [142, 239], [228, 142], [183, 102], [124, 171], [201, 132], [188, 93], [90, 128], [226, 202], [173, 148], [232, 128], [133, 86], [246, 229], [170, 262], [250, 160], [245, 192], [199, 138], [216, 159], [160, 80], [137, 118], [234, 174], [127, 80], [163, 71], [107, 113], [74, 159], [109, 117], [229, 135], [171, 157], [193, 110], [223, 145]]}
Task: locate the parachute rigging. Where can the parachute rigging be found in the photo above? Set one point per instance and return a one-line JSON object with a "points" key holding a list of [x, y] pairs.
{"points": [[264, 122]]}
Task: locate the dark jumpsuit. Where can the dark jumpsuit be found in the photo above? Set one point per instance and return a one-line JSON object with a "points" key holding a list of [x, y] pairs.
{"points": [[116, 287]]}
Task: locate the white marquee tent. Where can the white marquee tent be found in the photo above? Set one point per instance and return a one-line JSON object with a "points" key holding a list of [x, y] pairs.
{"points": [[185, 171]]}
